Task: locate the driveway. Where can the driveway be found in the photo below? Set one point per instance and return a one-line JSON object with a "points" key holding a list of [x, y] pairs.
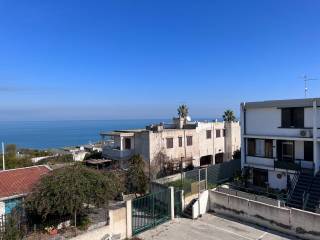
{"points": [[210, 227]]}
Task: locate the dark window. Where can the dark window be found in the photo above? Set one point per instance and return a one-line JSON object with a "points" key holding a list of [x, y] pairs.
{"points": [[260, 177], [218, 133], [268, 148], [208, 134], [189, 140], [251, 147], [169, 142], [180, 141], [127, 143], [292, 117], [285, 150], [224, 132], [308, 151]]}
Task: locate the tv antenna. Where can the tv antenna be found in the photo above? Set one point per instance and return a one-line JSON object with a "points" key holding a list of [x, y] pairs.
{"points": [[306, 79]]}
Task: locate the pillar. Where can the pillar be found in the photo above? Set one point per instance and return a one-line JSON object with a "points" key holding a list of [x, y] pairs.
{"points": [[315, 136], [129, 218], [172, 202]]}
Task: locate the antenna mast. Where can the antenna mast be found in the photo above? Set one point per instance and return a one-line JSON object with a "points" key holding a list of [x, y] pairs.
{"points": [[306, 80]]}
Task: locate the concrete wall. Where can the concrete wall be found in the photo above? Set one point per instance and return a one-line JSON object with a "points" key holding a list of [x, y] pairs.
{"points": [[204, 205], [300, 223], [117, 226]]}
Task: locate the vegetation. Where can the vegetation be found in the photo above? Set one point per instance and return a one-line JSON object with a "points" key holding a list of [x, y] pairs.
{"points": [[67, 191], [229, 116], [14, 160], [12, 230], [183, 111], [137, 181], [236, 154]]}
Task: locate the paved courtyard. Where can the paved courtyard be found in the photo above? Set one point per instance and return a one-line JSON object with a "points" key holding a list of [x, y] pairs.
{"points": [[210, 227]]}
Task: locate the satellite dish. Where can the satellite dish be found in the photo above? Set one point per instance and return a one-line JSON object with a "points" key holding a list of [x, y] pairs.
{"points": [[188, 118]]}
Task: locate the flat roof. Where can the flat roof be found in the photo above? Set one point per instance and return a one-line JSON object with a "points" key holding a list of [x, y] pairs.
{"points": [[303, 102]]}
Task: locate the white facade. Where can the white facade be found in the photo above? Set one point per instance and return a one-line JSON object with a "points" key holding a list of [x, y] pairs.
{"points": [[281, 137], [199, 143]]}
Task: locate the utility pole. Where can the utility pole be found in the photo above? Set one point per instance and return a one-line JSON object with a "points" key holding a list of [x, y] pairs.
{"points": [[306, 80], [3, 162]]}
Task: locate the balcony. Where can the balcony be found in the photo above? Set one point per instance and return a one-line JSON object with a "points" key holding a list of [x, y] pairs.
{"points": [[260, 162], [117, 153], [287, 165]]}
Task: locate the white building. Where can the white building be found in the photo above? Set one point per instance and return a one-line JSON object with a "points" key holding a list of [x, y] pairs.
{"points": [[197, 143], [279, 138]]}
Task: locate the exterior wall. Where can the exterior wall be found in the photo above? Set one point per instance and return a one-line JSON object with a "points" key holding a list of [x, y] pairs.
{"points": [[275, 182], [296, 222], [232, 139], [2, 208]]}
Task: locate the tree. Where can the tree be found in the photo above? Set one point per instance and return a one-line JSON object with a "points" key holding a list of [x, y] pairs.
{"points": [[236, 154], [137, 181], [183, 111], [68, 190], [228, 116]]}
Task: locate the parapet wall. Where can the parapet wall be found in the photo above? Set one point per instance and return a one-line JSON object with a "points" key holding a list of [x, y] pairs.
{"points": [[291, 221]]}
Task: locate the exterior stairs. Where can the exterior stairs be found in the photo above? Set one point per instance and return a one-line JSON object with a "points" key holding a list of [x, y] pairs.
{"points": [[314, 195], [187, 213], [304, 182]]}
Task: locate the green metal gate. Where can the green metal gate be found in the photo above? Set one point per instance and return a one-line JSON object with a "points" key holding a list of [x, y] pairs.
{"points": [[177, 203], [150, 210]]}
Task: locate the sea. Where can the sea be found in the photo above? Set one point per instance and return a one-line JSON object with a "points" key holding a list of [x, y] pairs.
{"points": [[59, 134]]}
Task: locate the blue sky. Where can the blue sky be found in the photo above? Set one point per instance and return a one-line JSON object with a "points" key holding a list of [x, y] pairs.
{"points": [[140, 59]]}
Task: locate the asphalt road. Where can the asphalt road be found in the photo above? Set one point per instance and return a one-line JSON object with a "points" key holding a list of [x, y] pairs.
{"points": [[210, 227]]}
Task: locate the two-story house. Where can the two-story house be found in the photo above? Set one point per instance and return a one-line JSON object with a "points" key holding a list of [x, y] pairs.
{"points": [[196, 143], [279, 139]]}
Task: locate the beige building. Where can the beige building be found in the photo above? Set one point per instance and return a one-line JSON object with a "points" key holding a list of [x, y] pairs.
{"points": [[197, 143]]}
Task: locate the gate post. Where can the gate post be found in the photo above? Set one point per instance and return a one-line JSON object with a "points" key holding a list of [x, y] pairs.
{"points": [[172, 202], [129, 218]]}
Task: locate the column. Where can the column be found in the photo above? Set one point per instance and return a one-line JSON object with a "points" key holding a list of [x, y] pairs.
{"points": [[315, 136], [129, 218], [172, 202], [242, 121]]}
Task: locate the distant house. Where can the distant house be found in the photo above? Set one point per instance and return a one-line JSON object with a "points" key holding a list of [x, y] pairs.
{"points": [[15, 184], [182, 141]]}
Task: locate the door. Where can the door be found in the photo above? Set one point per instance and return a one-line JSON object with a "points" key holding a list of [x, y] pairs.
{"points": [[260, 177]]}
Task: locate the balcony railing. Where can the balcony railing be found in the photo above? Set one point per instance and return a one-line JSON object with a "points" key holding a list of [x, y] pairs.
{"points": [[287, 165], [116, 153]]}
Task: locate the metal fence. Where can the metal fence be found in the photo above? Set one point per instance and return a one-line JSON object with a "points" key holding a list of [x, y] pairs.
{"points": [[207, 178]]}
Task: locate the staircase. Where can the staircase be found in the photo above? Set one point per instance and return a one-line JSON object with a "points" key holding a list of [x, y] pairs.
{"points": [[314, 194], [304, 182], [188, 210]]}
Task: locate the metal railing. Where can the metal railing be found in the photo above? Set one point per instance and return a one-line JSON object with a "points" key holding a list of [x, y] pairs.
{"points": [[294, 182]]}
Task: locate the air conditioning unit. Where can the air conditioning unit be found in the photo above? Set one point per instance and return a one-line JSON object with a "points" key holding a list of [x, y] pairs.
{"points": [[306, 133]]}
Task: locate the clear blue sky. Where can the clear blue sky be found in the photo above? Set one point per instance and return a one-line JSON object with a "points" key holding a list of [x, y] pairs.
{"points": [[78, 59]]}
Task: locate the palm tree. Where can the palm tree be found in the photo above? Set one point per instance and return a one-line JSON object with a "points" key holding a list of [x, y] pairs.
{"points": [[228, 116], [183, 111]]}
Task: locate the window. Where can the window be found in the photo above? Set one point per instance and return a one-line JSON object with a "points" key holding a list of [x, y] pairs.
{"points": [[127, 143], [259, 148], [251, 147], [268, 148], [224, 132], [292, 118], [189, 140], [287, 150], [169, 142], [180, 141], [208, 134], [218, 134]]}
